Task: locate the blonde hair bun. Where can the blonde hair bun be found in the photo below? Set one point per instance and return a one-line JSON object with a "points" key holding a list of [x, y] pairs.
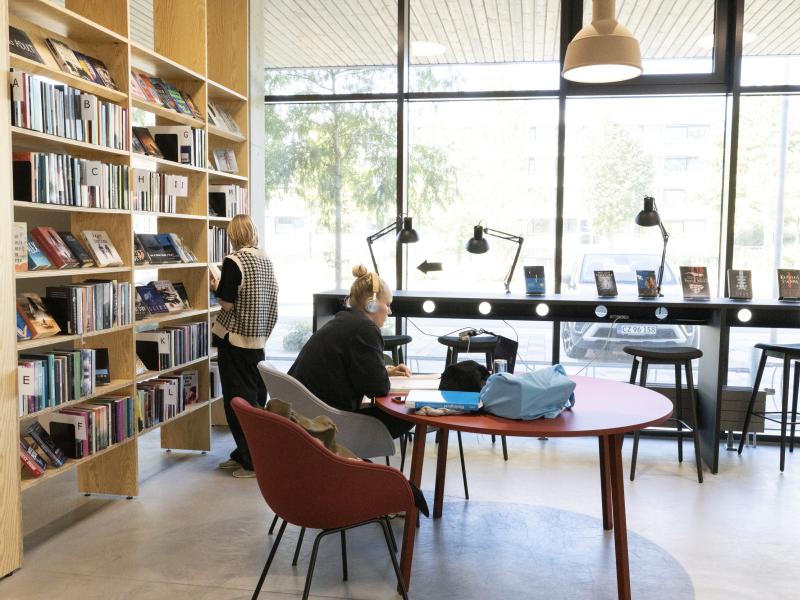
{"points": [[360, 271]]}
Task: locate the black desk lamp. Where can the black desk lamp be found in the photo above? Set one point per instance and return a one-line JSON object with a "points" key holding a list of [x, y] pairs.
{"points": [[406, 234], [477, 244], [649, 217]]}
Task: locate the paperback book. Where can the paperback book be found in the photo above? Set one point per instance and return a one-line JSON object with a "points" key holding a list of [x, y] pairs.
{"points": [[32, 309], [789, 285], [694, 281], [740, 284], [225, 160], [646, 284], [534, 280], [37, 260], [606, 283], [20, 44], [460, 401], [169, 294], [53, 246], [102, 249], [20, 247], [152, 299]]}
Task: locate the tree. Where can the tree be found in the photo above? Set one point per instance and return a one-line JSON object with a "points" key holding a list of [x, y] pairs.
{"points": [[341, 156], [619, 173]]}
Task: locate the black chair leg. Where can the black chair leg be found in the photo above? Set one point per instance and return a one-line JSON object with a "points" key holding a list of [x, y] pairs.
{"points": [[463, 466], [761, 364], [387, 460], [269, 560], [389, 538], [643, 383], [344, 556], [505, 448], [794, 403], [679, 409], [493, 438], [272, 526], [403, 442], [695, 424], [311, 564], [391, 531], [298, 546], [784, 406]]}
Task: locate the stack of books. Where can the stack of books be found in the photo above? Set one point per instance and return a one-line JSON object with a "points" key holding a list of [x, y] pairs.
{"points": [[51, 249], [218, 116], [157, 192], [161, 297], [80, 65], [228, 200], [218, 245], [166, 397], [161, 248], [162, 93], [169, 347], [178, 143]]}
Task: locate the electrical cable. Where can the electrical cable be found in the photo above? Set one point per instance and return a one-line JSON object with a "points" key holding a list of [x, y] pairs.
{"points": [[605, 345]]}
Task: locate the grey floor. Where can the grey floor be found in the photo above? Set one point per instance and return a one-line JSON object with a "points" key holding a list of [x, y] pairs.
{"points": [[531, 529]]}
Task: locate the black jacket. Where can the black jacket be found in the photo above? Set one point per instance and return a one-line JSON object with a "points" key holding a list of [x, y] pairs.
{"points": [[343, 361]]}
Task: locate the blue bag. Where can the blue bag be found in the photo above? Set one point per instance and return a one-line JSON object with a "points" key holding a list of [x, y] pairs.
{"points": [[543, 393]]}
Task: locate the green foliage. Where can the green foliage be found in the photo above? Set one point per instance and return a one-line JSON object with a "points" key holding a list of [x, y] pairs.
{"points": [[618, 175], [297, 336]]}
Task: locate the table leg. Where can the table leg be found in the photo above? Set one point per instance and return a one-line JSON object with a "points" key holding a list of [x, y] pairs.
{"points": [[410, 528], [605, 482], [620, 527], [441, 469]]}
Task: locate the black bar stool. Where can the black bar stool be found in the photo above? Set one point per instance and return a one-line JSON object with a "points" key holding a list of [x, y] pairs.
{"points": [[476, 344], [679, 356], [394, 344], [787, 353]]}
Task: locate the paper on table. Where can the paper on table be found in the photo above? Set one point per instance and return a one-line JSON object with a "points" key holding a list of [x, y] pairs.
{"points": [[421, 381]]}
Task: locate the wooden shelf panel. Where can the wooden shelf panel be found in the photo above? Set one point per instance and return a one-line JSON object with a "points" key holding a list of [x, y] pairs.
{"points": [[217, 91], [100, 390], [186, 411], [163, 215], [162, 165], [21, 204], [220, 219], [196, 265], [220, 177], [153, 374], [164, 318], [29, 482], [31, 66], [154, 63], [27, 139], [167, 113], [63, 21], [25, 345], [227, 135], [214, 309], [70, 272]]}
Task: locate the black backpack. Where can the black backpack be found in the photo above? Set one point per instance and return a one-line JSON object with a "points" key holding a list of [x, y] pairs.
{"points": [[465, 376]]}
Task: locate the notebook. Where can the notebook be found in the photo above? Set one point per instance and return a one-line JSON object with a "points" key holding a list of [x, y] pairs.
{"points": [[464, 401]]}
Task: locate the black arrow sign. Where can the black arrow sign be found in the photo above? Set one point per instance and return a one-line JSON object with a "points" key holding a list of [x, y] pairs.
{"points": [[426, 266]]}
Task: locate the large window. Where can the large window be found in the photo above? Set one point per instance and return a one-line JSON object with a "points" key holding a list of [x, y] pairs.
{"points": [[771, 43]]}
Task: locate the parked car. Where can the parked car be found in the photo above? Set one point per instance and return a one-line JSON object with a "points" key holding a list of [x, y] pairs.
{"points": [[578, 338]]}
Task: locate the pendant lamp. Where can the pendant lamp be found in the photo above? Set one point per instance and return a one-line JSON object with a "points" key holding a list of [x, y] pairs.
{"points": [[603, 51]]}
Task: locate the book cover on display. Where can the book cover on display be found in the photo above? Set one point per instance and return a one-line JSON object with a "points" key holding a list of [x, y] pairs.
{"points": [[172, 299], [646, 284], [101, 248], [534, 280], [694, 281], [20, 44], [33, 311], [152, 299], [20, 247], [606, 283], [789, 285], [740, 284]]}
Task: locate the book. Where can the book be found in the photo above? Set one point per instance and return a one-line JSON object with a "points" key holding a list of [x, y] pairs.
{"points": [[169, 248], [101, 69], [190, 387], [33, 311], [646, 283], [695, 283], [101, 248], [152, 299], [37, 260], [77, 249], [20, 247], [215, 271], [169, 294], [789, 284], [225, 160], [140, 307], [181, 289], [462, 401], [142, 134], [55, 249], [23, 331], [175, 142], [152, 248], [740, 284], [534, 280], [65, 57], [88, 68], [33, 450], [139, 255], [65, 437], [46, 443], [102, 367], [20, 44], [31, 465], [606, 283]]}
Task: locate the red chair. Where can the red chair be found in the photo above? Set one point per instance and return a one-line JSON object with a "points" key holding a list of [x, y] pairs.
{"points": [[307, 485]]}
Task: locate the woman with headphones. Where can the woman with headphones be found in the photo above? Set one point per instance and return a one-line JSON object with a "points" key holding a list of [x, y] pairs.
{"points": [[343, 361]]}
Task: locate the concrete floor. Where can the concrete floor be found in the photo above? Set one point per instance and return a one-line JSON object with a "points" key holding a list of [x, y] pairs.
{"points": [[531, 529]]}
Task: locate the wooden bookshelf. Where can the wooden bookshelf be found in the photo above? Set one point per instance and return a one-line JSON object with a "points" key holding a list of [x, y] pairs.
{"points": [[200, 47]]}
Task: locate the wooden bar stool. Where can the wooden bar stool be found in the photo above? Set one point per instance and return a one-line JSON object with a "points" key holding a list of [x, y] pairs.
{"points": [[787, 353], [679, 356]]}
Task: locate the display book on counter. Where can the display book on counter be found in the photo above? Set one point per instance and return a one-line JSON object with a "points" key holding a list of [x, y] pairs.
{"points": [[451, 400]]}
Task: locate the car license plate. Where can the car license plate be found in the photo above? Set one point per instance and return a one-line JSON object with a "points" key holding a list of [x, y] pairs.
{"points": [[642, 330]]}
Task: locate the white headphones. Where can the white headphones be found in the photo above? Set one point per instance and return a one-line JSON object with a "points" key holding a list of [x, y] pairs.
{"points": [[372, 305]]}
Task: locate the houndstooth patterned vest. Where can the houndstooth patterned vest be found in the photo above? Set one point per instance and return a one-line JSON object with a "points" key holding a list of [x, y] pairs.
{"points": [[255, 312]]}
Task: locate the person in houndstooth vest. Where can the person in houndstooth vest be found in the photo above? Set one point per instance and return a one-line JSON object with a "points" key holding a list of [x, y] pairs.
{"points": [[248, 294]]}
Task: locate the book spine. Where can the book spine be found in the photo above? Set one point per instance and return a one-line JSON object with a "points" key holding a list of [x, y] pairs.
{"points": [[31, 465], [45, 443]]}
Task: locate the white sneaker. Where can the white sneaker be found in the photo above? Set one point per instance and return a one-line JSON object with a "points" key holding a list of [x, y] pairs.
{"points": [[229, 464], [244, 473]]}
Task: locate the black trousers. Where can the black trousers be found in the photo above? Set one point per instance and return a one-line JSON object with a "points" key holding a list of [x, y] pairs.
{"points": [[396, 427], [239, 376]]}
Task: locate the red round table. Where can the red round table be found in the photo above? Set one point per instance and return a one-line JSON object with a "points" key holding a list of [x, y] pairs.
{"points": [[606, 409]]}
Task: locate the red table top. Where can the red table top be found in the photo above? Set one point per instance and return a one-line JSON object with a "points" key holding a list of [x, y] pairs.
{"points": [[602, 407]]}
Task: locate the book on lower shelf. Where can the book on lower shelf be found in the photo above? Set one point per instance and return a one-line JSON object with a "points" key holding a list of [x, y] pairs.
{"points": [[170, 347], [102, 249], [57, 252], [47, 380], [33, 311], [84, 429], [93, 305], [460, 401], [228, 200], [30, 460], [44, 441]]}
